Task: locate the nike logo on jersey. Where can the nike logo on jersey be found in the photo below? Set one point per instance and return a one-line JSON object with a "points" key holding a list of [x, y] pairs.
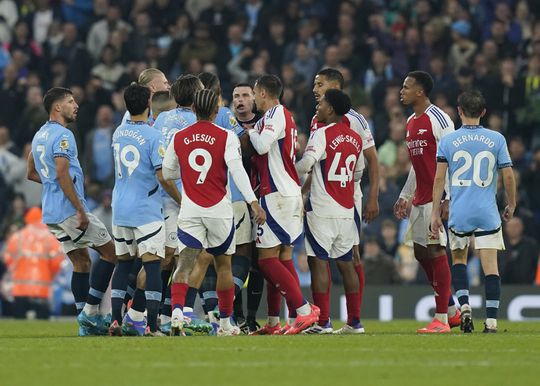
{"points": [[421, 131]]}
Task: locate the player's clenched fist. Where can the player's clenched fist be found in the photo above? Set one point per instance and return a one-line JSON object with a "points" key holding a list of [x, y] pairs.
{"points": [[259, 215], [400, 208]]}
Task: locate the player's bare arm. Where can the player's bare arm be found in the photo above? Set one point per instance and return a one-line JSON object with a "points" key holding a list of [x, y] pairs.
{"points": [[169, 186], [509, 182], [66, 183], [371, 210], [438, 189], [306, 187], [259, 215], [31, 172]]}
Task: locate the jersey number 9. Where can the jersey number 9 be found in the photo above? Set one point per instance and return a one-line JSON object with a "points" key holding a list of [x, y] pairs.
{"points": [[202, 168]]}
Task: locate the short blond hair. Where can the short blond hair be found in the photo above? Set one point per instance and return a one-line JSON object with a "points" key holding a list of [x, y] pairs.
{"points": [[149, 75]]}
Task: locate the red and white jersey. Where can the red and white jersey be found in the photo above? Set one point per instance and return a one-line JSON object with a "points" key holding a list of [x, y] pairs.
{"points": [[201, 153], [423, 136], [275, 145], [358, 123], [337, 150]]}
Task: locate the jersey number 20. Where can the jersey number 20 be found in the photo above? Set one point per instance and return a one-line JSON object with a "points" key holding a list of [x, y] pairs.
{"points": [[476, 164]]}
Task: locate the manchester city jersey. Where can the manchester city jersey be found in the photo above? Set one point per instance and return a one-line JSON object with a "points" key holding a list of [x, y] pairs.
{"points": [[226, 119], [51, 141], [169, 123], [474, 154], [138, 153]]}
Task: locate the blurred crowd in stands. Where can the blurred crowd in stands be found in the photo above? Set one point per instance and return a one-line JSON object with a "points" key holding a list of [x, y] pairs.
{"points": [[97, 47]]}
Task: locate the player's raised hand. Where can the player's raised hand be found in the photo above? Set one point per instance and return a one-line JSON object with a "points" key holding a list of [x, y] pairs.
{"points": [[508, 212], [371, 211], [83, 220], [259, 215], [445, 210], [436, 225], [400, 208]]}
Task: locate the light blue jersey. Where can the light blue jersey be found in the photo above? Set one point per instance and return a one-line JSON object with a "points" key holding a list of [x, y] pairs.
{"points": [[54, 140], [474, 154], [169, 123], [225, 118], [138, 154], [127, 117]]}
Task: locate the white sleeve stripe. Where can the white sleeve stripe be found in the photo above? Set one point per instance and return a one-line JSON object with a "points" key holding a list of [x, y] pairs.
{"points": [[360, 119], [437, 114]]}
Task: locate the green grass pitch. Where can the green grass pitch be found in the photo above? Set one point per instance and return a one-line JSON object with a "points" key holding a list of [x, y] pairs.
{"points": [[48, 353]]}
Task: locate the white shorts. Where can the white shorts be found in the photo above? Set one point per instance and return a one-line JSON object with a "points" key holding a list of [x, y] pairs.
{"points": [[482, 239], [242, 223], [357, 219], [283, 224], [329, 237], [216, 235], [147, 238], [170, 213], [72, 238], [418, 229]]}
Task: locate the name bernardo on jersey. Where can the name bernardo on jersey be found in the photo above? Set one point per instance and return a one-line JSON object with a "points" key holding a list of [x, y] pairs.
{"points": [[473, 137], [200, 138]]}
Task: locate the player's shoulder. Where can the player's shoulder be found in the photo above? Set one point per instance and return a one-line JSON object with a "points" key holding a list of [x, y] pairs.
{"points": [[439, 117], [275, 111], [161, 118], [228, 116], [357, 120], [495, 135], [151, 132]]}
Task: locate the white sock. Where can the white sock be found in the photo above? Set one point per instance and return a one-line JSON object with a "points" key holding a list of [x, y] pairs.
{"points": [[452, 310], [442, 318], [304, 310], [164, 319], [225, 323], [491, 323], [137, 316], [90, 309], [273, 321], [212, 318]]}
